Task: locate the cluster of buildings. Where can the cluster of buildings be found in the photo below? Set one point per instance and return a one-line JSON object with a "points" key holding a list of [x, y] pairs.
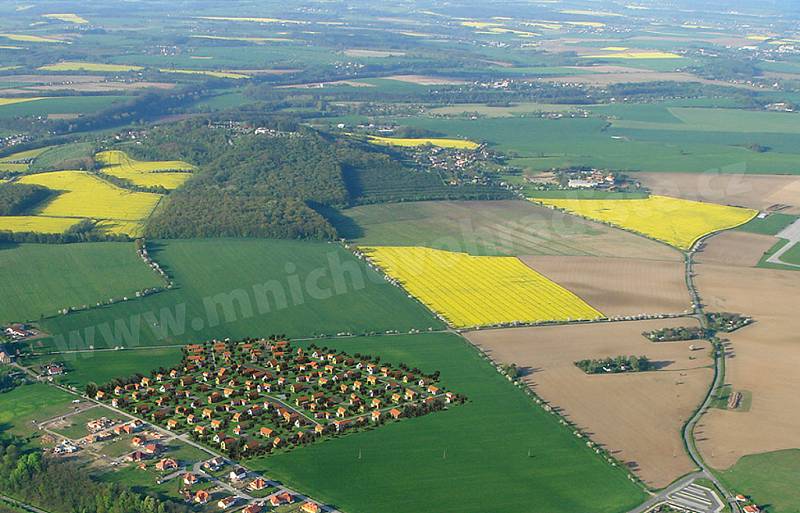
{"points": [[18, 331], [256, 396]]}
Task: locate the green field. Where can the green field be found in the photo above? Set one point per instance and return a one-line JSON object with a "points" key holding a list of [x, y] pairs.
{"points": [[792, 256], [103, 366], [23, 405], [719, 120], [769, 479], [248, 287], [540, 144], [770, 225], [40, 279], [484, 228], [497, 452], [60, 157]]}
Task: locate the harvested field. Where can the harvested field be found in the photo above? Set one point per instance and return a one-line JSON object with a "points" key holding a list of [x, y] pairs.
{"points": [[425, 80], [762, 360], [495, 228], [735, 248], [637, 416], [747, 190], [619, 286]]}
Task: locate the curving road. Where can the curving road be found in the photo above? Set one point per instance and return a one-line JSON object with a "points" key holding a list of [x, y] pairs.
{"points": [[688, 429]]}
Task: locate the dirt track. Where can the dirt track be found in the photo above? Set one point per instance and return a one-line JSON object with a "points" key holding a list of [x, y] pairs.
{"points": [[619, 286], [763, 359], [636, 416]]}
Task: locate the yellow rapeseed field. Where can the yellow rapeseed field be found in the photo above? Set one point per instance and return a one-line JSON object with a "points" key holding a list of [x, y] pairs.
{"points": [[38, 224], [209, 73], [677, 222], [68, 18], [146, 174], [90, 66], [12, 101], [26, 38], [410, 143], [84, 195], [471, 291]]}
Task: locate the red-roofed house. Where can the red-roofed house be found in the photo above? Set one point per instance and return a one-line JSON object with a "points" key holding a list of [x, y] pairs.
{"points": [[310, 507]]}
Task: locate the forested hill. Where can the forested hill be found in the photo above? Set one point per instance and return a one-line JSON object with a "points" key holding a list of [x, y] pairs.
{"points": [[257, 186], [275, 181]]}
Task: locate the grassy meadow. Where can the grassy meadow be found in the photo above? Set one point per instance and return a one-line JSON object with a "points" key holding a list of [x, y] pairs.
{"points": [[770, 225], [103, 366], [26, 404], [770, 479], [497, 452], [40, 279], [249, 287]]}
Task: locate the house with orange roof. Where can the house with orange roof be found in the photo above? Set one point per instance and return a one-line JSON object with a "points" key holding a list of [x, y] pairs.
{"points": [[257, 484], [201, 497], [310, 507], [166, 464], [281, 498]]}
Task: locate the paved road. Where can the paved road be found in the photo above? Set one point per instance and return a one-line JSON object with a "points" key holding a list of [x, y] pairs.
{"points": [[23, 505], [198, 466], [791, 234], [662, 495], [688, 429], [719, 380]]}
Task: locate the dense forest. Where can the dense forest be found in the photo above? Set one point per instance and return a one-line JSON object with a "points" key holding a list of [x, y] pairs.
{"points": [[284, 181], [15, 198]]}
